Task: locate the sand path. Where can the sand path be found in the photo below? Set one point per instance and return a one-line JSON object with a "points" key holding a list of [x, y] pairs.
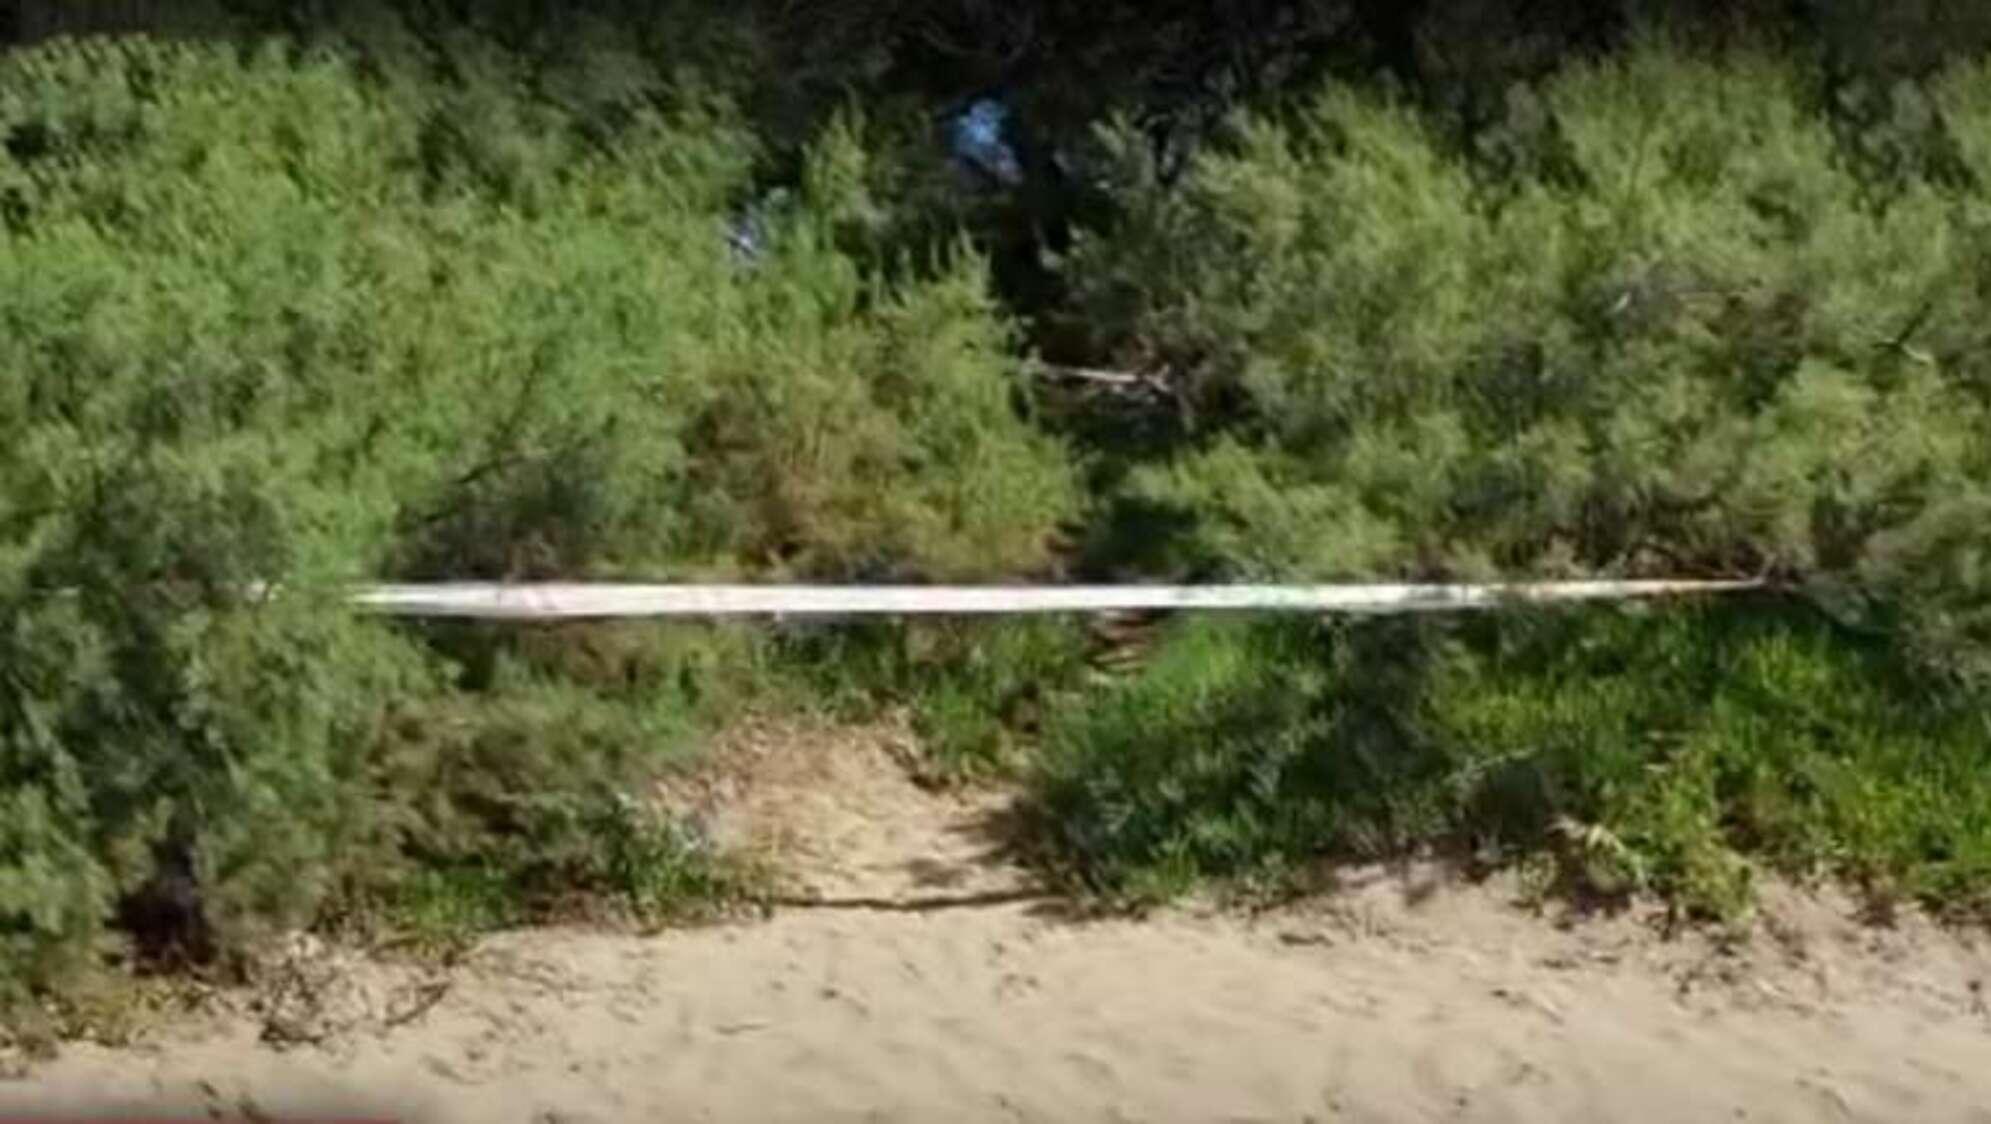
{"points": [[1403, 999]]}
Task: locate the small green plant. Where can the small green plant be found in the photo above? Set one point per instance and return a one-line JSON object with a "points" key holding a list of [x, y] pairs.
{"points": [[976, 691], [1674, 752], [635, 864], [533, 798], [1190, 770]]}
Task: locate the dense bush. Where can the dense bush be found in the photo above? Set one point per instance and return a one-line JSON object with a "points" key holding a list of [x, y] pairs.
{"points": [[1672, 315], [438, 298], [1668, 752], [1678, 331], [526, 799], [262, 321]]}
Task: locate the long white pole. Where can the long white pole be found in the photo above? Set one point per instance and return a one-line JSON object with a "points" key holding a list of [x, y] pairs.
{"points": [[567, 601]]}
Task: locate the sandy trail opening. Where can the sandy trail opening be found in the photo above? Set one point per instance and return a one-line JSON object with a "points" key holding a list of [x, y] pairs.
{"points": [[1401, 999]]}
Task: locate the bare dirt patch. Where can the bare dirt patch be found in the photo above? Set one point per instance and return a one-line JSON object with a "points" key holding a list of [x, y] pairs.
{"points": [[836, 811]]}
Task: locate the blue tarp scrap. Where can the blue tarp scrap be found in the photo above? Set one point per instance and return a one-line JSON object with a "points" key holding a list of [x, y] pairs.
{"points": [[750, 230], [979, 141]]}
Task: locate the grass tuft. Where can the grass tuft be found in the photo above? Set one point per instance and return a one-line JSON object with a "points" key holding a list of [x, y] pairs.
{"points": [[1678, 752]]}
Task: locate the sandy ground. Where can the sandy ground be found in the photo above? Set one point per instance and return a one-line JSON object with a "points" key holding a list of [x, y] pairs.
{"points": [[930, 985]]}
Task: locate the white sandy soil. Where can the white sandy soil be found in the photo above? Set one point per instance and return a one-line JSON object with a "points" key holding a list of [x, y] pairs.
{"points": [[1406, 997]]}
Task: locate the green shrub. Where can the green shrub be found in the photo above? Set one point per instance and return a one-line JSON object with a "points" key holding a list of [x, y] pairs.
{"points": [[526, 801], [976, 690], [1706, 741], [275, 320], [1673, 752], [1186, 772], [1692, 342], [265, 321], [540, 360]]}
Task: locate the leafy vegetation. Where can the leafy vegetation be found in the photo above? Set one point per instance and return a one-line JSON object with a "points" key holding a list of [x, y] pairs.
{"points": [[976, 691], [267, 322], [1675, 322], [1682, 336], [422, 294], [1618, 751]]}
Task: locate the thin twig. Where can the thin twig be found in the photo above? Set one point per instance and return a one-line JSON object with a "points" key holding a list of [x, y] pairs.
{"points": [[429, 995], [1093, 374]]}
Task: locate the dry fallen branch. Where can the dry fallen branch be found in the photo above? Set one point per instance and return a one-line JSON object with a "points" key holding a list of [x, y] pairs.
{"points": [[1118, 380]]}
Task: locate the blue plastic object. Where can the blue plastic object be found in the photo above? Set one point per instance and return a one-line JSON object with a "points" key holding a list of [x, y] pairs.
{"points": [[750, 230], [977, 137]]}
